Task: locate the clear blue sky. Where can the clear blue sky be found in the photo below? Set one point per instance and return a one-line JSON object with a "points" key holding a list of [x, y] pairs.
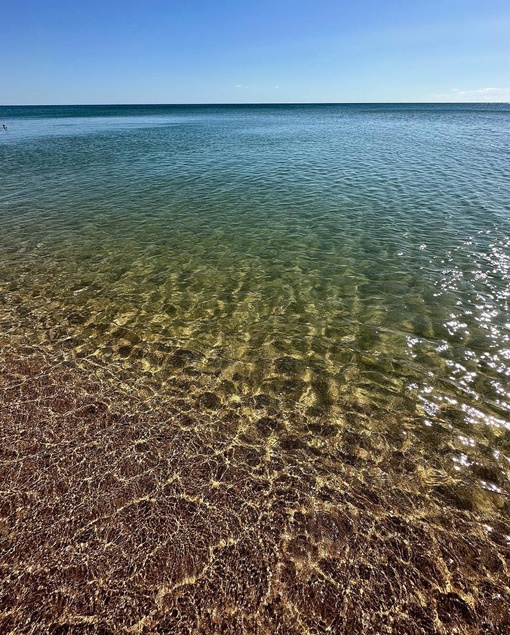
{"points": [[235, 51]]}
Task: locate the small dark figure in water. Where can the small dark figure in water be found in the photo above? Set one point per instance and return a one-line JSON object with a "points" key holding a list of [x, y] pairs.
{"points": [[4, 127]]}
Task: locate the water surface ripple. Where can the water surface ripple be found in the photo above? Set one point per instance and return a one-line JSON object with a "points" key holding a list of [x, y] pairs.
{"points": [[327, 286]]}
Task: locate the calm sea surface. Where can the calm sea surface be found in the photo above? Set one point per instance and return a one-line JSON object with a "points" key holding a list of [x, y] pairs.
{"points": [[313, 252], [290, 263], [309, 253]]}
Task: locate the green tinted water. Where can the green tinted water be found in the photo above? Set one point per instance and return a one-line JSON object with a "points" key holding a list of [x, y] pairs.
{"points": [[255, 369], [368, 244]]}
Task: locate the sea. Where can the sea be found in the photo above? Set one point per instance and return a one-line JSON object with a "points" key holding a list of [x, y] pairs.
{"points": [[325, 287]]}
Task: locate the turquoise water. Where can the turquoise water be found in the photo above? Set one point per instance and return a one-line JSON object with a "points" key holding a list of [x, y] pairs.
{"points": [[370, 244], [302, 256], [255, 368]]}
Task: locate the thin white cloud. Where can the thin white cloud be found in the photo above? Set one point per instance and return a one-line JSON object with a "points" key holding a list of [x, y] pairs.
{"points": [[482, 95]]}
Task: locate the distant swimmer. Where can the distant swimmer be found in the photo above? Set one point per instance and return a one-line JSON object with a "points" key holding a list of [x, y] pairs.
{"points": [[4, 127]]}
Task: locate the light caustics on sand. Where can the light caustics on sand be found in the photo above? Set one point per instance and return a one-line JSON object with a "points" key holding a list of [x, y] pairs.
{"points": [[255, 369]]}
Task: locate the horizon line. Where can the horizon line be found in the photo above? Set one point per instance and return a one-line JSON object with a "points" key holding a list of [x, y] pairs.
{"points": [[268, 103]]}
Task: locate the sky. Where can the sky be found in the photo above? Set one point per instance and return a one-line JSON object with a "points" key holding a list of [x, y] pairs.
{"points": [[253, 51]]}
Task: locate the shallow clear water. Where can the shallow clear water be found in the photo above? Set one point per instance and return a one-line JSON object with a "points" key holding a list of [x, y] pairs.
{"points": [[368, 243], [281, 260]]}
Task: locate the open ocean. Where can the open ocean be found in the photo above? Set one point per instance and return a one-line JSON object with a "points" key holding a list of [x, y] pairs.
{"points": [[256, 345]]}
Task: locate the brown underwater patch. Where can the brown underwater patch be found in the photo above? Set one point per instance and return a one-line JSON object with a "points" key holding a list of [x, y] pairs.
{"points": [[126, 509]]}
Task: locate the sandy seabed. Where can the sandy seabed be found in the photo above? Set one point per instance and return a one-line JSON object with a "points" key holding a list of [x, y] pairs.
{"points": [[128, 509]]}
